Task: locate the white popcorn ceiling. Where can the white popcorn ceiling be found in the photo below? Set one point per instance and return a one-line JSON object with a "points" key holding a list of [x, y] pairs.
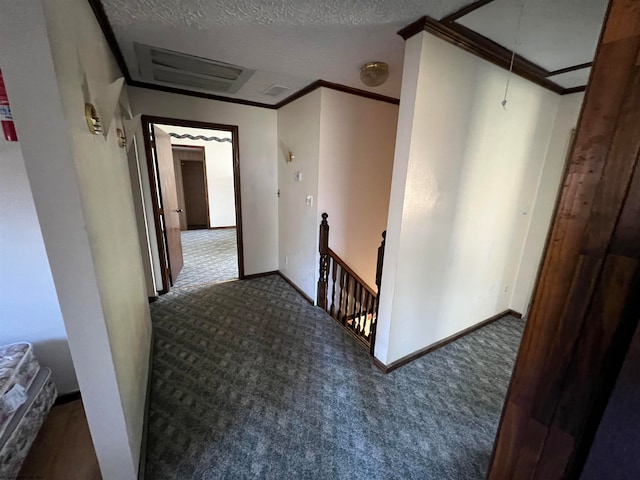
{"points": [[553, 34], [292, 42]]}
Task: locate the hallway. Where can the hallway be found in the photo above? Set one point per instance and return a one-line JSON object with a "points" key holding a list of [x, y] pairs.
{"points": [[210, 256], [250, 381]]}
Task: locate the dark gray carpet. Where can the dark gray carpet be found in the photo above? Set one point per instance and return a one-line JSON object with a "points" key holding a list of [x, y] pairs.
{"points": [[210, 256], [250, 381]]}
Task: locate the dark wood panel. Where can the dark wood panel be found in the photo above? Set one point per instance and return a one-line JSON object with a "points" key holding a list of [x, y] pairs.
{"points": [[586, 298]]}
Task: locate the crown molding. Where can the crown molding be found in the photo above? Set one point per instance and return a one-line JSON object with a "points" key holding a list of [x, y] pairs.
{"points": [[107, 31], [487, 49]]}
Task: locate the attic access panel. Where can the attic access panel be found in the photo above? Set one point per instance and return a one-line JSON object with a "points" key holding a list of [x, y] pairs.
{"points": [[176, 69]]}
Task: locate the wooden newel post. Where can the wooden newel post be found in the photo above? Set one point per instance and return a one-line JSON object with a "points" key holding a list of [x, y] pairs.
{"points": [[374, 325], [380, 261], [323, 248]]}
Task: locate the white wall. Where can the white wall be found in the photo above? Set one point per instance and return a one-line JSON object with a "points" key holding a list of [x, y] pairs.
{"points": [[545, 201], [28, 300], [299, 132], [258, 168], [343, 145], [464, 184], [82, 194], [219, 162], [357, 139]]}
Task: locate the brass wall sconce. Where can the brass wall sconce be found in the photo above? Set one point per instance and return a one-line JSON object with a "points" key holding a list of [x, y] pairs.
{"points": [[122, 139], [94, 124], [291, 157]]}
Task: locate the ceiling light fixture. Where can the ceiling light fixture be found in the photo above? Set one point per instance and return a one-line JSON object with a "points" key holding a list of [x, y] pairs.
{"points": [[374, 74]]}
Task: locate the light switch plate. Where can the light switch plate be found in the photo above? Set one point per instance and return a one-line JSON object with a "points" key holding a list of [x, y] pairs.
{"points": [[297, 176], [309, 200]]}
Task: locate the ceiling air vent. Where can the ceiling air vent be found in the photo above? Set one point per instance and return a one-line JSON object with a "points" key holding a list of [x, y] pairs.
{"points": [[177, 69], [275, 90]]}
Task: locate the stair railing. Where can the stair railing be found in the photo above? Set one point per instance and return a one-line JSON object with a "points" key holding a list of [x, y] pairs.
{"points": [[344, 295]]}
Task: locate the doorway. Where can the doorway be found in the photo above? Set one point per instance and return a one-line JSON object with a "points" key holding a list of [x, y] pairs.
{"points": [[191, 183], [195, 185]]}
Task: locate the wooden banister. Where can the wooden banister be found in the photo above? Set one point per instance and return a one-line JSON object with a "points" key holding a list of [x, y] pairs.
{"points": [[354, 304], [348, 270], [380, 261], [379, 265]]}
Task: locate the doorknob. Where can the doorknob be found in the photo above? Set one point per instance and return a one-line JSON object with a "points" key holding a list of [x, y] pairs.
{"points": [[179, 210]]}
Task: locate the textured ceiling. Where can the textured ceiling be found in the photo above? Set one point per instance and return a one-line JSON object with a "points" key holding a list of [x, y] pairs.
{"points": [[287, 42], [293, 42], [553, 34], [572, 79]]}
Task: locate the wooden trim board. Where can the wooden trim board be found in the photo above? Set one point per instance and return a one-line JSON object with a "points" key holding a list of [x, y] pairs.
{"points": [[67, 398], [445, 341], [471, 41], [259, 275], [339, 88], [149, 120], [465, 10]]}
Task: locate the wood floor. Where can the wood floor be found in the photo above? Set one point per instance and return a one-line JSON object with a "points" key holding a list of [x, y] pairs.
{"points": [[63, 449]]}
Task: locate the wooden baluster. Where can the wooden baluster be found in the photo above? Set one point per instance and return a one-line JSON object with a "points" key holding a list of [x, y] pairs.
{"points": [[357, 307], [366, 312], [346, 298], [354, 304], [324, 261], [362, 310], [354, 298], [334, 276], [340, 301], [365, 299], [356, 290], [374, 319]]}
